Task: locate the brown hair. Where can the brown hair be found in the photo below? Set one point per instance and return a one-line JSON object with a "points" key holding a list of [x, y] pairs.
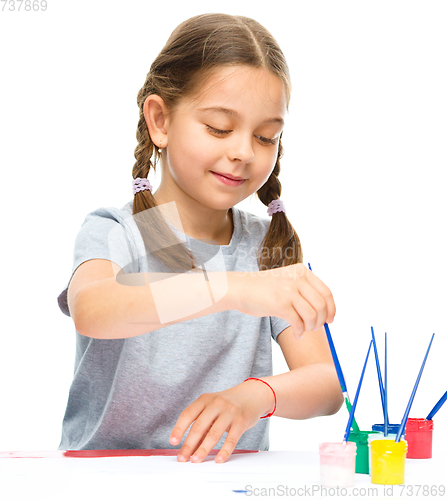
{"points": [[196, 47]]}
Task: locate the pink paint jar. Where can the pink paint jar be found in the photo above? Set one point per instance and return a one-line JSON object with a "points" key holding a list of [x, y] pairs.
{"points": [[337, 464], [419, 436]]}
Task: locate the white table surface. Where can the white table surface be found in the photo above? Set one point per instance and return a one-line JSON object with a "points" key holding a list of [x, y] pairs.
{"points": [[286, 474]]}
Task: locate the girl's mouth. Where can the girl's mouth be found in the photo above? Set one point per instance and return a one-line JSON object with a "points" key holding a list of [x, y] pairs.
{"points": [[227, 180]]}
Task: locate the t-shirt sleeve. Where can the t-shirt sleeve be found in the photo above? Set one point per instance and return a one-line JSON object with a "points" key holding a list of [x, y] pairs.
{"points": [[101, 236], [277, 325]]}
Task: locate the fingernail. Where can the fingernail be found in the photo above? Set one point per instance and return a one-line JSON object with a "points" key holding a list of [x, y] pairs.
{"points": [[195, 458], [219, 459], [181, 458]]}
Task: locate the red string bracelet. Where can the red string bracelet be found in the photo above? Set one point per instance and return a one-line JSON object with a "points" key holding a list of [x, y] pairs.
{"points": [[274, 395]]}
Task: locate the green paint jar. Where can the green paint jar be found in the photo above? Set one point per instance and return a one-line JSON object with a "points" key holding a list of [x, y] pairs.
{"points": [[362, 459]]}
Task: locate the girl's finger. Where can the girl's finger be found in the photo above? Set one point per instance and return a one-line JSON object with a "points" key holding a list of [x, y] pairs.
{"points": [[292, 317], [314, 312], [305, 311], [215, 432], [230, 443], [186, 418], [325, 293], [197, 433]]}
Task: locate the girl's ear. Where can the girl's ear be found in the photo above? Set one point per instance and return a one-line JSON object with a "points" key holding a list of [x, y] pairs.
{"points": [[156, 116]]}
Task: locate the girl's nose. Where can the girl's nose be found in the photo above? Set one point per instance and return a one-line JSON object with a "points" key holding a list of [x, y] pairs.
{"points": [[241, 149]]}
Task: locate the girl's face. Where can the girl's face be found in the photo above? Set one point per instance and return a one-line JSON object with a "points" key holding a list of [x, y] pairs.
{"points": [[231, 128]]}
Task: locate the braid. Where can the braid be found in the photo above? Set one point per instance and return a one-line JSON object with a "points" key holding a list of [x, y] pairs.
{"points": [[158, 238], [271, 190], [145, 147], [281, 245], [143, 151]]}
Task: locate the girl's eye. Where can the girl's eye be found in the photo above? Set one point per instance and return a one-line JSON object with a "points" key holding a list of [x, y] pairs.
{"points": [[223, 133], [216, 131], [265, 140]]}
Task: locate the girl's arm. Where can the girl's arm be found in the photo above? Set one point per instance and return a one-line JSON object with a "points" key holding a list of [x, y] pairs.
{"points": [[310, 389], [102, 307]]}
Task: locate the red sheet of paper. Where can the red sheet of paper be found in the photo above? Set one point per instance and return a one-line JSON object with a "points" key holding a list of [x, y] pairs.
{"points": [[101, 453]]}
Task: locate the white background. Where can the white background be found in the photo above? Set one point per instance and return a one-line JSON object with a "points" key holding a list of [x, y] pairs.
{"points": [[363, 182]]}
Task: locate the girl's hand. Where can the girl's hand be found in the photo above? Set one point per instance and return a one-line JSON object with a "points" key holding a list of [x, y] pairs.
{"points": [[293, 293], [234, 411]]}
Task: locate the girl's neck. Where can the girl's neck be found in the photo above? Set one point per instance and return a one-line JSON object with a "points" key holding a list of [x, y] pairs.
{"points": [[215, 226]]}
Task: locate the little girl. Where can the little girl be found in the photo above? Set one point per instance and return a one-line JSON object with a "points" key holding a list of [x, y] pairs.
{"points": [[176, 296]]}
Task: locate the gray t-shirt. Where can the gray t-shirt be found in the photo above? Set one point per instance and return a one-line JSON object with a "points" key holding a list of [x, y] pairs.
{"points": [[129, 393]]}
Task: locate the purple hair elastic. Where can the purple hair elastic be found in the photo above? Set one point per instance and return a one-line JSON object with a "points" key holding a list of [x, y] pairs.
{"points": [[140, 184], [276, 206]]}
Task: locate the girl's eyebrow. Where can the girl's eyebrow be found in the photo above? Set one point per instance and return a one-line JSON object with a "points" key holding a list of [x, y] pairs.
{"points": [[234, 113]]}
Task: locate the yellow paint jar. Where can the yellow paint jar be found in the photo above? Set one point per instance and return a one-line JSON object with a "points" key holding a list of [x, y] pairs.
{"points": [[388, 461]]}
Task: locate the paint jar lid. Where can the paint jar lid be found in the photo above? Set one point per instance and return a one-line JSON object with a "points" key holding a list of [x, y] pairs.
{"points": [[389, 445], [392, 428], [419, 424]]}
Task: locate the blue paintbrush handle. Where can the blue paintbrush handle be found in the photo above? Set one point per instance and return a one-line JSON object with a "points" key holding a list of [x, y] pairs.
{"points": [[437, 407], [385, 393], [340, 376], [413, 394], [354, 404], [379, 375]]}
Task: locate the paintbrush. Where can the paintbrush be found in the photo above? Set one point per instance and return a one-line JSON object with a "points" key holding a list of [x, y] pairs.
{"points": [[437, 407], [339, 371], [413, 394], [379, 376], [385, 393], [356, 398]]}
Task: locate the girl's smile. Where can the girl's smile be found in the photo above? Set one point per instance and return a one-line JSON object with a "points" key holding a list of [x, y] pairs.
{"points": [[228, 179]]}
